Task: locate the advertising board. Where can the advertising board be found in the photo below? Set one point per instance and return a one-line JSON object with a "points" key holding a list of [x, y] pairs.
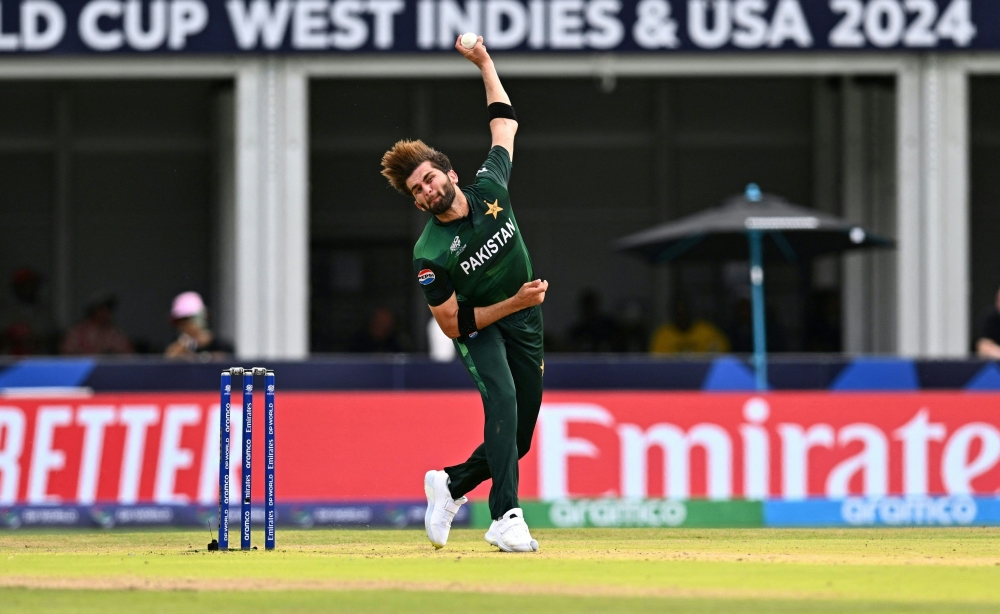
{"points": [[645, 513], [851, 458], [421, 26]]}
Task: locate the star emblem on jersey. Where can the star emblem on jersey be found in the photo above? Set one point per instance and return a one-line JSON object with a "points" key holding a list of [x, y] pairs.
{"points": [[494, 208]]}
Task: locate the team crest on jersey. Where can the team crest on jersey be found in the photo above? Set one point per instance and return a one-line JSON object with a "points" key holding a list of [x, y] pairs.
{"points": [[456, 246], [425, 277]]}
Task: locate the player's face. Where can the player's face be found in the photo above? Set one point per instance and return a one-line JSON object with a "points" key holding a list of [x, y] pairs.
{"points": [[433, 191]]}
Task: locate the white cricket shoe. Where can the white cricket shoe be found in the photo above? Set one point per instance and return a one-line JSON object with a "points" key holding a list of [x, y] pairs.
{"points": [[441, 508], [511, 533], [491, 534]]}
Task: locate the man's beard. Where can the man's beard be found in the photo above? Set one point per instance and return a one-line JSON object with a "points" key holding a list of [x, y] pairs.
{"points": [[444, 202]]}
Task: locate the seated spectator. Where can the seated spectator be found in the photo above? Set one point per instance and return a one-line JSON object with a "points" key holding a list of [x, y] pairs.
{"points": [[593, 331], [687, 335], [26, 326], [381, 335], [97, 333], [988, 345], [195, 340]]}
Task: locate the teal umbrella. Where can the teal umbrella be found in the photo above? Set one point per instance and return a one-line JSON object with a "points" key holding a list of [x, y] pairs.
{"points": [[763, 227]]}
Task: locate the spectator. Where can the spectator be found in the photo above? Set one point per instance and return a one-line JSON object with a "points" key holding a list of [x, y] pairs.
{"points": [[988, 345], [97, 333], [381, 335], [687, 335], [195, 340], [593, 330], [26, 326]]}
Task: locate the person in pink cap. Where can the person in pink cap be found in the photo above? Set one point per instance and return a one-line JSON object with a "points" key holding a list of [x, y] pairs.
{"points": [[189, 316]]}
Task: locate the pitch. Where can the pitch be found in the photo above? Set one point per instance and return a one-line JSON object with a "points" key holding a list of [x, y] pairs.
{"points": [[587, 570]]}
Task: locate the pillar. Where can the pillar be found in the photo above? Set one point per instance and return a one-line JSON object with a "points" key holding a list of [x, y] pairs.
{"points": [[271, 210], [933, 207]]}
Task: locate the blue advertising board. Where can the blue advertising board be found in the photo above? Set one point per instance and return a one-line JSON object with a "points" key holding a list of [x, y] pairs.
{"points": [[398, 514], [565, 372], [31, 27], [899, 511]]}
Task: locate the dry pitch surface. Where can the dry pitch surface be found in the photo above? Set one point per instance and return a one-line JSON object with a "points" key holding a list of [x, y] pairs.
{"points": [[590, 570]]}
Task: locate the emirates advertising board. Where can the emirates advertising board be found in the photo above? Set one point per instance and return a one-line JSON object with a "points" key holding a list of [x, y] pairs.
{"points": [[601, 459], [420, 26]]}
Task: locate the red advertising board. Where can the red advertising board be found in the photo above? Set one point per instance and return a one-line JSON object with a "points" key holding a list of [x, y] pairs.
{"points": [[163, 448]]}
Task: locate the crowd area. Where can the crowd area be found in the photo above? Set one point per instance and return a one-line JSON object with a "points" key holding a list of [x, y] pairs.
{"points": [[27, 328], [624, 330]]}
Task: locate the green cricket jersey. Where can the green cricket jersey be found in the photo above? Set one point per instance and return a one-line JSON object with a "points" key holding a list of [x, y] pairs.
{"points": [[482, 256]]}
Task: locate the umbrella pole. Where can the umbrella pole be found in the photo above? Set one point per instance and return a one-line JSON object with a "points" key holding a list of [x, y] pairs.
{"points": [[757, 296]]}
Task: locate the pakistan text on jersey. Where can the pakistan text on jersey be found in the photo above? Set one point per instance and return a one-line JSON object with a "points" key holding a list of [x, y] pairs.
{"points": [[491, 247]]}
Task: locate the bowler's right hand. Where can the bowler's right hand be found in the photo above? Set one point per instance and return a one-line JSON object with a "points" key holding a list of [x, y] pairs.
{"points": [[532, 293]]}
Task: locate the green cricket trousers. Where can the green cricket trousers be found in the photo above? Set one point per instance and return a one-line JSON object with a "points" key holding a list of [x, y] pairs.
{"points": [[506, 360]]}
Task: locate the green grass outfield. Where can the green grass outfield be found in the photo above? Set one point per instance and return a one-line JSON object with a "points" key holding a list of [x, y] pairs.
{"points": [[576, 570]]}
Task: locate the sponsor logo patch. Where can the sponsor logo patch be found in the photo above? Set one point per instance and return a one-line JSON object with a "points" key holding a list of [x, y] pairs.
{"points": [[425, 277]]}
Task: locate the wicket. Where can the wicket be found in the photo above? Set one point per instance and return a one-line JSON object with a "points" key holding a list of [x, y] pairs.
{"points": [[225, 440]]}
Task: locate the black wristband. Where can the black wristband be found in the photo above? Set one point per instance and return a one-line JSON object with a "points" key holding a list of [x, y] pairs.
{"points": [[501, 109], [467, 322]]}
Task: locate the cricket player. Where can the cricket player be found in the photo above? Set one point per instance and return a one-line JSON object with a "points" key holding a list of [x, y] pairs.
{"points": [[474, 269]]}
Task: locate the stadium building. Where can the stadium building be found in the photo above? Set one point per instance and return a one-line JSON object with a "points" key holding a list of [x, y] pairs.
{"points": [[152, 147]]}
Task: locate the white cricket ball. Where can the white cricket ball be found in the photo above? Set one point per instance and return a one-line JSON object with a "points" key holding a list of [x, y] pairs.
{"points": [[469, 40]]}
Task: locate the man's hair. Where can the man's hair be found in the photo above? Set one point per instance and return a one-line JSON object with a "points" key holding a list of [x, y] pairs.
{"points": [[405, 156]]}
